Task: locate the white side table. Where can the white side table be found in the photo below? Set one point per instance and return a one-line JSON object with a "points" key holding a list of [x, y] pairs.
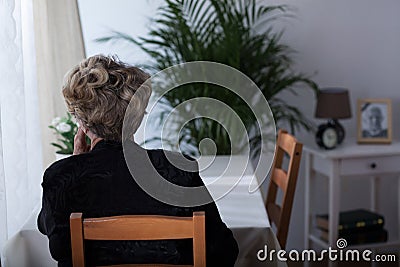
{"points": [[348, 160]]}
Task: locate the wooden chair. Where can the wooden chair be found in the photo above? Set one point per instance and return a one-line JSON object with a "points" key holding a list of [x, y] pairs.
{"points": [[138, 227], [286, 181]]}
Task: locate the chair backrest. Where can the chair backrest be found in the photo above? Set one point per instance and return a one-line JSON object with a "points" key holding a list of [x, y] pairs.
{"points": [[138, 227], [286, 181]]}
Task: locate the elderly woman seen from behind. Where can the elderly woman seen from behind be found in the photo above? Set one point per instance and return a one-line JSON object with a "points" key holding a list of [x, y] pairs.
{"points": [[97, 182]]}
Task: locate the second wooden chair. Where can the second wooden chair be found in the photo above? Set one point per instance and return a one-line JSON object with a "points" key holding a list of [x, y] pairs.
{"points": [[285, 180]]}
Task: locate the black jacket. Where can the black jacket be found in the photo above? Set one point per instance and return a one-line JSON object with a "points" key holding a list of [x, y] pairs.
{"points": [[98, 184]]}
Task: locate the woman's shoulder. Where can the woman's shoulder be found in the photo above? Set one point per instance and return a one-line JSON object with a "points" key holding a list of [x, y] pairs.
{"points": [[64, 169]]}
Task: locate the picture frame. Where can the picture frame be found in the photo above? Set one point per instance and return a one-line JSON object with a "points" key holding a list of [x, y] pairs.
{"points": [[374, 118]]}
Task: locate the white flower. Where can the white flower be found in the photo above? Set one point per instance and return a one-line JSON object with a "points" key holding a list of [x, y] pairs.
{"points": [[63, 127], [56, 121]]}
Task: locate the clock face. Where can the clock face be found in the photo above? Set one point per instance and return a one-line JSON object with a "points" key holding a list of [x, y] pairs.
{"points": [[329, 138]]}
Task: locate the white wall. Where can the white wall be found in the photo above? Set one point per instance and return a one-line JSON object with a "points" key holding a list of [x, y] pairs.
{"points": [[354, 44], [100, 17]]}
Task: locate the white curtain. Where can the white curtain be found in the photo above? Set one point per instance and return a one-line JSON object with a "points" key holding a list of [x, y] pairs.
{"points": [[21, 154], [39, 41], [59, 47]]}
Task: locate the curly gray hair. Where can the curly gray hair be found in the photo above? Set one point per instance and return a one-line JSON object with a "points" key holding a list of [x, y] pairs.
{"points": [[98, 92]]}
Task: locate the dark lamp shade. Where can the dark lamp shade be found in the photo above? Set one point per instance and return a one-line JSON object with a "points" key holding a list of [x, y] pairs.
{"points": [[333, 103]]}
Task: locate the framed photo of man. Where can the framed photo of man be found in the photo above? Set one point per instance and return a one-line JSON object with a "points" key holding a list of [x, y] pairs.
{"points": [[374, 120]]}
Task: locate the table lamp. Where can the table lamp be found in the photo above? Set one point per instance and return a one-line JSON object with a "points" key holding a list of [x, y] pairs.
{"points": [[332, 104]]}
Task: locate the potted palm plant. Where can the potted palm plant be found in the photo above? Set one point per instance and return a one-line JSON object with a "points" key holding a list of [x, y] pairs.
{"points": [[240, 34]]}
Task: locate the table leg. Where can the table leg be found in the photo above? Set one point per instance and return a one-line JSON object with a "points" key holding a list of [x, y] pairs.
{"points": [[374, 263], [398, 212], [374, 193], [334, 203], [307, 192], [374, 205]]}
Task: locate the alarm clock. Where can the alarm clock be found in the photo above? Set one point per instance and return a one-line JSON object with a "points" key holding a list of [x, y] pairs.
{"points": [[327, 136]]}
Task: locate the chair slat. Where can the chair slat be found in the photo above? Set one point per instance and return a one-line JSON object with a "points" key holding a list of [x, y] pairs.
{"points": [[143, 227], [286, 142], [280, 178]]}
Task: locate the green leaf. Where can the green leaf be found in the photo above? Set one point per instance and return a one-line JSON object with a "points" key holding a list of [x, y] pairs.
{"points": [[57, 145]]}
